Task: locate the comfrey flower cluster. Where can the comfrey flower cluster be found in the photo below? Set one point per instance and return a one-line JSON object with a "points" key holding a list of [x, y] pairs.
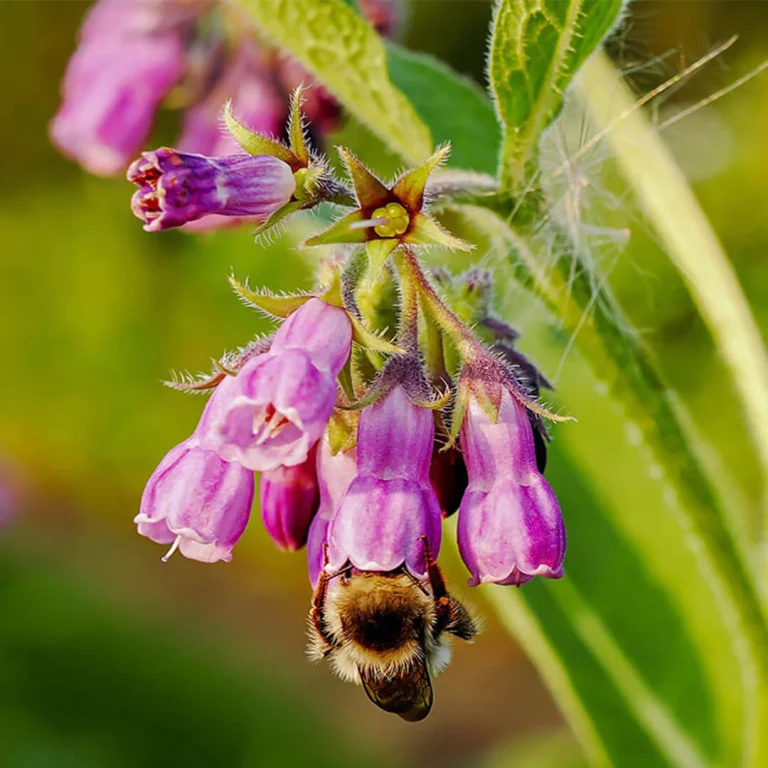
{"points": [[135, 56], [365, 440]]}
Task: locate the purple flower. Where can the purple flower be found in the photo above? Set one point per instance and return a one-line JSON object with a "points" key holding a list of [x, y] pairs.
{"points": [[197, 502], [334, 474], [284, 398], [289, 498], [194, 499], [176, 187], [126, 63], [510, 525], [389, 507]]}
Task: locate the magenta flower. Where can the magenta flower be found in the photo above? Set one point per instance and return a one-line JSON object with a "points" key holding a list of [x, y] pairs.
{"points": [[390, 506], [129, 58], [510, 525], [176, 188], [197, 502], [289, 500], [132, 53], [284, 398], [334, 474]]}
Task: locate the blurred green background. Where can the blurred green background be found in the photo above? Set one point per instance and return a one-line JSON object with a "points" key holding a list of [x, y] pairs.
{"points": [[109, 657]]}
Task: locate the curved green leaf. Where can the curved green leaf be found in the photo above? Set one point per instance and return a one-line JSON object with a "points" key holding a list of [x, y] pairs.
{"points": [[453, 107], [626, 373], [632, 622], [344, 52], [537, 46], [690, 241]]}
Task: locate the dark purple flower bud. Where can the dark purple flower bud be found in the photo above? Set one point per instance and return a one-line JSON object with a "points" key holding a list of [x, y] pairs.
{"points": [[448, 476], [510, 525], [126, 63], [284, 398], [321, 109], [334, 474], [389, 507], [289, 499], [384, 15], [197, 502], [255, 99], [176, 187]]}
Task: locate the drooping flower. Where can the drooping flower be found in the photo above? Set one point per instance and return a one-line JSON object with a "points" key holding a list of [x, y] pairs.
{"points": [[289, 499], [390, 508], [197, 502], [176, 188], [130, 56], [334, 474], [510, 526], [284, 398]]}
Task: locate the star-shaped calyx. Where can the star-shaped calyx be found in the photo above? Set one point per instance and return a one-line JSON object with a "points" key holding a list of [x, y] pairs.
{"points": [[389, 216]]}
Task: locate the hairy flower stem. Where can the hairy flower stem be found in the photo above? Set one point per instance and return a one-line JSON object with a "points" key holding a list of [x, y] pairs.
{"points": [[448, 322], [408, 335]]}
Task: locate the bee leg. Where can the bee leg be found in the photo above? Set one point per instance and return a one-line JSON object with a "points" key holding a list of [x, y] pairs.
{"points": [[434, 574], [317, 612], [452, 616], [443, 600]]}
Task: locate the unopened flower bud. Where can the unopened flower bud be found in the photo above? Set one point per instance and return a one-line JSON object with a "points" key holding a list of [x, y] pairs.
{"points": [[176, 187], [289, 499], [448, 476]]}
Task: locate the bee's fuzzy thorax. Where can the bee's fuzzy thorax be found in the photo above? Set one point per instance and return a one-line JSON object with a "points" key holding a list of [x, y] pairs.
{"points": [[380, 623]]}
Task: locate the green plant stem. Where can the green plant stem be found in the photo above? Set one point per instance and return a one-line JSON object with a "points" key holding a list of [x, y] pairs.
{"points": [[408, 335], [690, 242]]}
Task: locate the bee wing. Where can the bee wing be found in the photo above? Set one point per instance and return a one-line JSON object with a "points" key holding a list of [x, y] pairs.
{"points": [[408, 695]]}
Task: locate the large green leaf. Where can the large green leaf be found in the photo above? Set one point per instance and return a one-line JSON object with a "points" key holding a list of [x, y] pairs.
{"points": [[631, 625], [344, 52], [536, 48], [691, 243], [649, 416], [453, 108]]}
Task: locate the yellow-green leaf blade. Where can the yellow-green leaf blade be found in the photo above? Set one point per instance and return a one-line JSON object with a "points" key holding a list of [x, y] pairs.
{"points": [[337, 46]]}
